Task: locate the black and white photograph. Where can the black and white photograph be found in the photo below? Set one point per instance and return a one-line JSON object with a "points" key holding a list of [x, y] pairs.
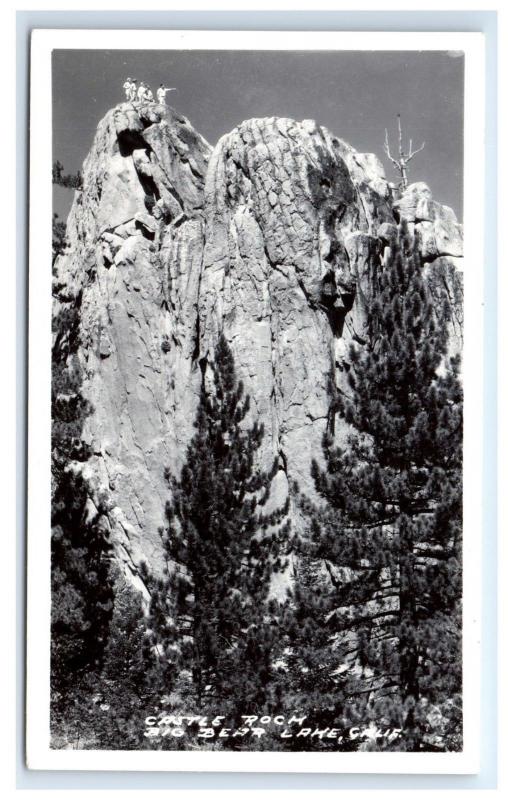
{"points": [[255, 520]]}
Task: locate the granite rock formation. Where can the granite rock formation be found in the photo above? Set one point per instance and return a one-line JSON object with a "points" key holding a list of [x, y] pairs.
{"points": [[271, 237]]}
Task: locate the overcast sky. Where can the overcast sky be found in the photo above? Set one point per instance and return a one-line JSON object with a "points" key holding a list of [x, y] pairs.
{"points": [[354, 94]]}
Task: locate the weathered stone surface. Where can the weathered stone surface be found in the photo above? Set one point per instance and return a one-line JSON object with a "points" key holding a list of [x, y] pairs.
{"points": [[411, 199], [386, 231], [287, 243], [440, 237], [137, 277], [271, 238], [445, 283], [437, 225]]}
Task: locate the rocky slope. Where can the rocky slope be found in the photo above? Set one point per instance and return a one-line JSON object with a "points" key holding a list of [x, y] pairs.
{"points": [[270, 237]]}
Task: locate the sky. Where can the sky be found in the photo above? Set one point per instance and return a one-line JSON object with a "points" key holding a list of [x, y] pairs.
{"points": [[355, 94]]}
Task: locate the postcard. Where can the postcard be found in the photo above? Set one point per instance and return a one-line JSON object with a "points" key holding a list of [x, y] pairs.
{"points": [[255, 360]]}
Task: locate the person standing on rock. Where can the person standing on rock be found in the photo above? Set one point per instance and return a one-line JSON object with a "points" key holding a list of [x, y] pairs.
{"points": [[134, 90], [141, 92], [161, 94], [149, 95], [127, 87]]}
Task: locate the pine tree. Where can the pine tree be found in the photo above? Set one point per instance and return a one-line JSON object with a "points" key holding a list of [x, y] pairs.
{"points": [[81, 584], [68, 181], [81, 596], [69, 407], [210, 616], [125, 691], [311, 683], [58, 237], [390, 530]]}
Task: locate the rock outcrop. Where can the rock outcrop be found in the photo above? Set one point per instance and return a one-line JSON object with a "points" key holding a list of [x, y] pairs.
{"points": [[134, 257], [271, 238]]}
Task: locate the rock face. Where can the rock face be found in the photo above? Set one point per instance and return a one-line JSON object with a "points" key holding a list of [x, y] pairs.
{"points": [[271, 238], [136, 235]]}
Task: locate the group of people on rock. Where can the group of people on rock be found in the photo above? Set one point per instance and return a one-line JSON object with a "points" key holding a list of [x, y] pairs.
{"points": [[142, 92]]}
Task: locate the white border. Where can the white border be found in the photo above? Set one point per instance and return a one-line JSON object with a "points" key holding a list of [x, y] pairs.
{"points": [[39, 755]]}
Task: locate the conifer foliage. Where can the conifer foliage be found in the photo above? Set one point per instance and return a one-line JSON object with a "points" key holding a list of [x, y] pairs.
{"points": [[390, 530], [68, 181], [82, 593], [81, 581], [210, 616]]}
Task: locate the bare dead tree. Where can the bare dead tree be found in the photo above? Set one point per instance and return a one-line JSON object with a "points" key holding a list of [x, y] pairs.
{"points": [[403, 160]]}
